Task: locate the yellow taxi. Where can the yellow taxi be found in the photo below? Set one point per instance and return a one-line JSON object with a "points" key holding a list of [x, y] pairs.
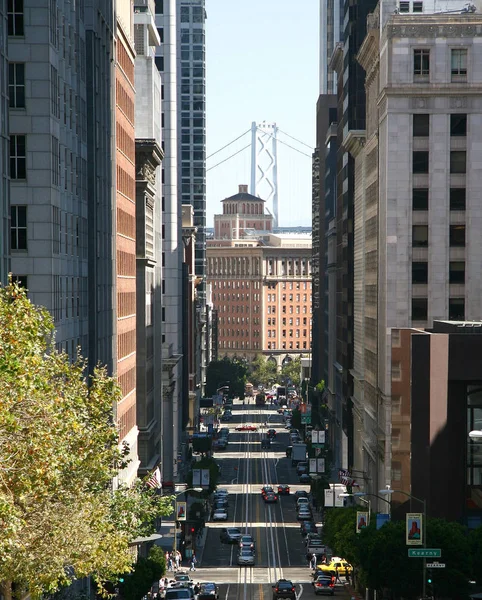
{"points": [[335, 564]]}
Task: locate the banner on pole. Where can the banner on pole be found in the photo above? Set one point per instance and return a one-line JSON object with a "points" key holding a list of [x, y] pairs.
{"points": [[414, 529], [361, 520], [205, 477], [181, 508], [196, 477]]}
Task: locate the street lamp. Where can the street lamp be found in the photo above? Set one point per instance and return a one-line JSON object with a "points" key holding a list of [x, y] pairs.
{"points": [[193, 489], [475, 435], [388, 492]]}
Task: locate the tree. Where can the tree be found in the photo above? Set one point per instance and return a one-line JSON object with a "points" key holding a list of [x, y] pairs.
{"points": [[226, 372], [59, 451], [291, 370], [146, 570], [262, 371]]}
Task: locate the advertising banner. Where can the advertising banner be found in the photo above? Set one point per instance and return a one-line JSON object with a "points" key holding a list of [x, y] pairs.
{"points": [[205, 478], [312, 465], [414, 529], [321, 465], [361, 521], [314, 437], [332, 496], [181, 508], [196, 478]]}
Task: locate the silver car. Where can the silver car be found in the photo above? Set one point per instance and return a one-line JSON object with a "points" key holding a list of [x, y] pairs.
{"points": [[245, 557]]}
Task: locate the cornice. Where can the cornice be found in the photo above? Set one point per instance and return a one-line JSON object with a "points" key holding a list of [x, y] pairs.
{"points": [[354, 142]]}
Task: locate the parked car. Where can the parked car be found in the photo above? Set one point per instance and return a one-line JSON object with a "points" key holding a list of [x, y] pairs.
{"points": [[220, 514], [208, 591], [305, 478], [304, 514], [324, 585], [308, 527], [299, 494], [302, 500], [265, 444], [301, 467], [283, 489], [230, 535], [270, 497], [284, 588], [245, 557]]}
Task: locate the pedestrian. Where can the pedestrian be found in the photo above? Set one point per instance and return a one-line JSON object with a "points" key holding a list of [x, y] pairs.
{"points": [[178, 559], [337, 576], [313, 561], [169, 562], [193, 562], [197, 588]]}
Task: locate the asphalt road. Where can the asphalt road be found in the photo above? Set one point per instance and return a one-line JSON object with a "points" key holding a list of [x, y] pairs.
{"points": [[280, 552]]}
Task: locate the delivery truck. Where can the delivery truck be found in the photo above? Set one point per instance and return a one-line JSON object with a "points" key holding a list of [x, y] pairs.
{"points": [[298, 453]]}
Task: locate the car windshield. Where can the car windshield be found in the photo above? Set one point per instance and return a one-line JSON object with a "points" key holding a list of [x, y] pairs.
{"points": [[246, 538], [182, 577], [233, 531], [208, 587], [283, 585]]}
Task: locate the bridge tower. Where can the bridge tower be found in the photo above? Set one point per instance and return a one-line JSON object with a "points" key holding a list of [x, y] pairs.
{"points": [[264, 164]]}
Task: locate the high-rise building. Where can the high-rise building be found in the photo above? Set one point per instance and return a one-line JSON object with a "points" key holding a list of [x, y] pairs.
{"points": [[192, 120], [125, 232], [172, 249], [417, 190], [261, 283], [148, 237], [48, 161], [4, 150], [331, 32]]}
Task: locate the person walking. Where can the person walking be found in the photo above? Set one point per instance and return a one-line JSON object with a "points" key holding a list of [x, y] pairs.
{"points": [[170, 566], [178, 559], [193, 562], [337, 576], [313, 561]]}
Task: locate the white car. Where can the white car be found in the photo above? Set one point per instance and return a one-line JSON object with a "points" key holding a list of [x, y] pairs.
{"points": [[220, 514]]}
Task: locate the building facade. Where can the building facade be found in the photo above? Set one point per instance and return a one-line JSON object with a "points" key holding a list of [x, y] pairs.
{"points": [[416, 190], [4, 150], [148, 237], [172, 250], [261, 284], [331, 32]]}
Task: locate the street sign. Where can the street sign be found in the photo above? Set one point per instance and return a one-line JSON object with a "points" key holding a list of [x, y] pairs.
{"points": [[435, 565], [425, 552]]}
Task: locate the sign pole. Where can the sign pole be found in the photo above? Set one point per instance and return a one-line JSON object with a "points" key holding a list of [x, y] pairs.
{"points": [[424, 533]]}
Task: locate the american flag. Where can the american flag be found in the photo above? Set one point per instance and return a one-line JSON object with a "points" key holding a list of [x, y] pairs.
{"points": [[346, 478], [154, 480]]}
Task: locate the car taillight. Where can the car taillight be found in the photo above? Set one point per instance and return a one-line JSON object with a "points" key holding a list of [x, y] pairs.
{"points": [[292, 589]]}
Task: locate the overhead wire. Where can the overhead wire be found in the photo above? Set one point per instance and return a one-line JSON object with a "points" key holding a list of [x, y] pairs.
{"points": [[295, 139], [229, 144]]}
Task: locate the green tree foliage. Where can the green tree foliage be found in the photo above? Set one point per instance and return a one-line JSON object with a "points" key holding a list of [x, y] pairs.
{"points": [[59, 451], [220, 372], [475, 542], [145, 572], [202, 444], [262, 371], [296, 418], [291, 371]]}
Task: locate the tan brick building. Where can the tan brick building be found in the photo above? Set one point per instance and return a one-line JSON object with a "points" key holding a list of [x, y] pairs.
{"points": [[261, 283]]}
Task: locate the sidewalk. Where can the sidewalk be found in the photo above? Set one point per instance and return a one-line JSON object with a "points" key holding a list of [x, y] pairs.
{"points": [[350, 590], [200, 542]]}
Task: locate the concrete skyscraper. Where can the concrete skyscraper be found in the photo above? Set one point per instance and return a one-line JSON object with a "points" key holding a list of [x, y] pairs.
{"points": [[172, 247]]}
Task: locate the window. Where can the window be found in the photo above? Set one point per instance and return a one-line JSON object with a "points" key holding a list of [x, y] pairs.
{"points": [[396, 371], [419, 272], [404, 7], [16, 85], [421, 64], [396, 405], [456, 309], [159, 60], [458, 64], [458, 125], [457, 198], [419, 309], [417, 6], [458, 161], [21, 280], [18, 158], [184, 14], [159, 7], [18, 227], [420, 161], [15, 17], [420, 199], [420, 236], [457, 235], [421, 125], [457, 272]]}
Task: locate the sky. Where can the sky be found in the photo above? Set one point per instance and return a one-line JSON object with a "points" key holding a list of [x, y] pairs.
{"points": [[261, 65]]}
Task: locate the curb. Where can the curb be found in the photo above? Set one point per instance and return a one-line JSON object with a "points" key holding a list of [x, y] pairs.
{"points": [[200, 546], [353, 593]]}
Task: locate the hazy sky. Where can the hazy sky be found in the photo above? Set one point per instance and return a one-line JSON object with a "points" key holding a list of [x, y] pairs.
{"points": [[262, 65]]}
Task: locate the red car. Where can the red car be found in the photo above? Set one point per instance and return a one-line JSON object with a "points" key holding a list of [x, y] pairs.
{"points": [[283, 488], [246, 428]]}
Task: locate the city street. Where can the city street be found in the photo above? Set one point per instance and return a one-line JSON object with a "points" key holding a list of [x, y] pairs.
{"points": [[280, 551]]}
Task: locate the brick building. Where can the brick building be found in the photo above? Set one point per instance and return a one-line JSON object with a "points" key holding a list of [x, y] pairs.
{"points": [[261, 283]]}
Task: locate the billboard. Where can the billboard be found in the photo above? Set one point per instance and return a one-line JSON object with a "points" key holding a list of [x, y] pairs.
{"points": [[181, 508], [361, 520]]}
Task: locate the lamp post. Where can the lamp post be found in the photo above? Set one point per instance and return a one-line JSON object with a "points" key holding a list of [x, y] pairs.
{"points": [[388, 491], [193, 489], [475, 435]]}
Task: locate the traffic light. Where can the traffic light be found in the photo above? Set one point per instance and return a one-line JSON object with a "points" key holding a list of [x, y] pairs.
{"points": [[193, 529], [121, 580]]}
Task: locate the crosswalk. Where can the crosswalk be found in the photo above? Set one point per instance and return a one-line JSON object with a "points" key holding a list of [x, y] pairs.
{"points": [[262, 575]]}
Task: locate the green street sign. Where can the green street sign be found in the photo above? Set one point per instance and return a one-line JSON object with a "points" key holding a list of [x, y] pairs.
{"points": [[425, 552], [305, 419]]}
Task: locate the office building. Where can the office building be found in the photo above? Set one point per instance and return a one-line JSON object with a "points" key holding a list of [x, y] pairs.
{"points": [[148, 237], [172, 248], [436, 402], [4, 151], [48, 162], [417, 190], [331, 32], [261, 283]]}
